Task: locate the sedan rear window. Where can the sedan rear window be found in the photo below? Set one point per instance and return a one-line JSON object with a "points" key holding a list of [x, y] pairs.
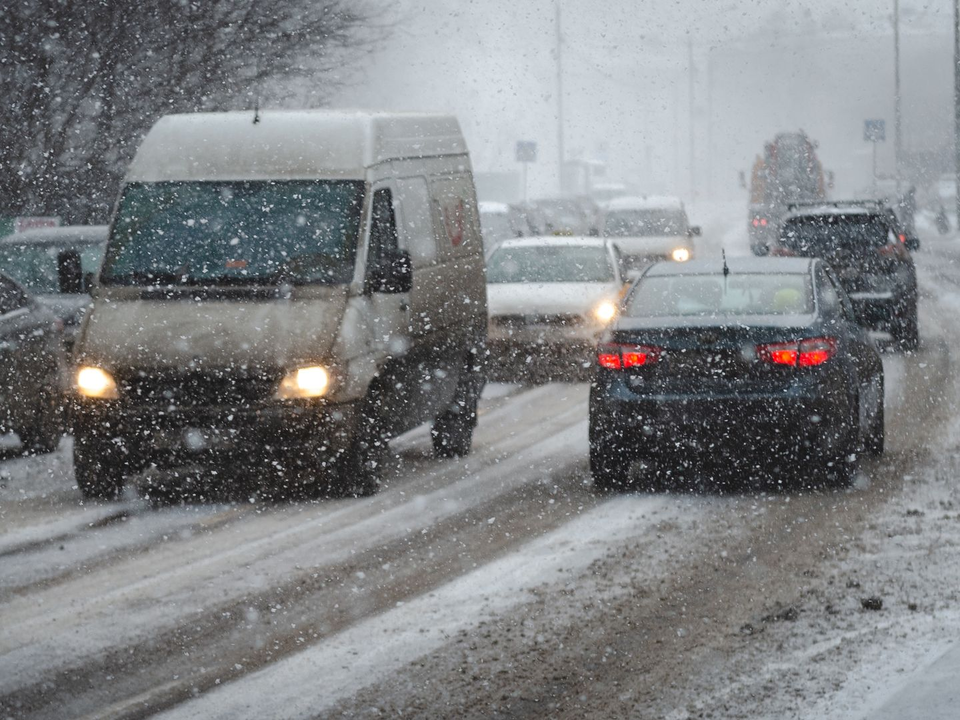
{"points": [[708, 295], [827, 235]]}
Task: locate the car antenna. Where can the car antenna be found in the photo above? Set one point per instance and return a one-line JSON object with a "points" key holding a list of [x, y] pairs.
{"points": [[256, 92]]}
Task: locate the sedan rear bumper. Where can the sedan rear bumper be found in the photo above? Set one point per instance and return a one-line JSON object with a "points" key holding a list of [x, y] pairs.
{"points": [[756, 424]]}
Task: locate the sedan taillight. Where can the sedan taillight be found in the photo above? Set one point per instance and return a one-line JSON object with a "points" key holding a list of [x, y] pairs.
{"points": [[616, 356], [798, 353]]}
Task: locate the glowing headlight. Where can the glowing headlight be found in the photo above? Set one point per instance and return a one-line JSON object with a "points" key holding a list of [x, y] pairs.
{"points": [[680, 254], [96, 383], [305, 382], [605, 311]]}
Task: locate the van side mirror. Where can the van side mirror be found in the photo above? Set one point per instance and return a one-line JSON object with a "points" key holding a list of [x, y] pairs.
{"points": [[70, 273], [393, 274], [912, 242], [695, 230]]}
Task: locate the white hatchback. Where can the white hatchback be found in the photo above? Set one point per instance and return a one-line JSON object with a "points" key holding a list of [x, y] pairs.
{"points": [[550, 298]]}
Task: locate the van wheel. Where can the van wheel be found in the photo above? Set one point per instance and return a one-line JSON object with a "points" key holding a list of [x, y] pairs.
{"points": [[361, 466], [452, 433], [43, 436], [97, 470]]}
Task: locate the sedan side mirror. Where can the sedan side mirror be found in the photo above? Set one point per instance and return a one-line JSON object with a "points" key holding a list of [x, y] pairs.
{"points": [[695, 230], [70, 273], [393, 274]]}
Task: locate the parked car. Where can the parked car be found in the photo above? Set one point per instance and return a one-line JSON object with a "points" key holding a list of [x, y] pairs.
{"points": [[37, 259], [32, 369], [864, 244], [648, 229], [288, 293], [549, 299], [758, 358]]}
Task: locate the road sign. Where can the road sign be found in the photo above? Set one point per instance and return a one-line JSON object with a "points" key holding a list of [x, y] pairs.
{"points": [[874, 131], [526, 151]]}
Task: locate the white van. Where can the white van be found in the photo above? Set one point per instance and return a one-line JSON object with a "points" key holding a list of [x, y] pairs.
{"points": [[287, 291]]}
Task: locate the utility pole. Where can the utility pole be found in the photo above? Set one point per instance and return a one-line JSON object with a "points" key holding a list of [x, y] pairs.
{"points": [[559, 63], [956, 96], [693, 170], [897, 136]]}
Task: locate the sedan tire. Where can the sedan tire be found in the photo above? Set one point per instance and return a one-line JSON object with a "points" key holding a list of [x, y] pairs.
{"points": [[610, 467]]}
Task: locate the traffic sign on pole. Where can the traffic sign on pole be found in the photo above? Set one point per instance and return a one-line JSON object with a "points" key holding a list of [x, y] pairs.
{"points": [[874, 131], [526, 151]]}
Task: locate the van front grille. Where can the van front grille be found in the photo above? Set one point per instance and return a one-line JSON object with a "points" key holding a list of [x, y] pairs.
{"points": [[198, 389]]}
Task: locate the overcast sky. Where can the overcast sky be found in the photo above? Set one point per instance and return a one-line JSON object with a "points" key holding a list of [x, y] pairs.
{"points": [[759, 68]]}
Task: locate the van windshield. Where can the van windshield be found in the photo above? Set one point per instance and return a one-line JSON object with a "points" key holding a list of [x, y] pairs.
{"points": [[235, 233]]}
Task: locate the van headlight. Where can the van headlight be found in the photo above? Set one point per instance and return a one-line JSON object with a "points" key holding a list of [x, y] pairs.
{"points": [[306, 382], [605, 311], [680, 254], [94, 382]]}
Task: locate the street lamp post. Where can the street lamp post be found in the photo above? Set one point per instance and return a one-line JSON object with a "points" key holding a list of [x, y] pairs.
{"points": [[559, 59], [897, 137], [956, 97]]}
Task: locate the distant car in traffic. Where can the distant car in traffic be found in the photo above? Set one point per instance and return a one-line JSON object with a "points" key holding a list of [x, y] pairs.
{"points": [[756, 359], [32, 369], [500, 221], [36, 258], [549, 299], [866, 246], [570, 216], [648, 229]]}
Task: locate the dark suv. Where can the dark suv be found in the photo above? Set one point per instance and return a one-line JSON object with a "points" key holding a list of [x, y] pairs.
{"points": [[864, 244]]}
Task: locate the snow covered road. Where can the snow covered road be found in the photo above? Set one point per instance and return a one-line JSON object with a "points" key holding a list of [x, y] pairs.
{"points": [[498, 585]]}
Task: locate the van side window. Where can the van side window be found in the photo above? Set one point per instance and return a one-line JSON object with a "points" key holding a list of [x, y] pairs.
{"points": [[11, 297], [383, 228], [416, 226]]}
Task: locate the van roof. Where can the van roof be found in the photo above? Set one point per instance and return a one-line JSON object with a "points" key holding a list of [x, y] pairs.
{"points": [[288, 144]]}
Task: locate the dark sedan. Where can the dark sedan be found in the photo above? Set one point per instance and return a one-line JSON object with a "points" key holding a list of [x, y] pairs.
{"points": [[757, 358], [32, 369]]}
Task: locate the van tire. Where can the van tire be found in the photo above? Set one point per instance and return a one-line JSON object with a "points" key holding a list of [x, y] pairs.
{"points": [[452, 433], [360, 467], [97, 470]]}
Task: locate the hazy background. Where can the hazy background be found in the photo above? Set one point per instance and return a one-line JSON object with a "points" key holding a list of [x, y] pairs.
{"points": [[759, 68]]}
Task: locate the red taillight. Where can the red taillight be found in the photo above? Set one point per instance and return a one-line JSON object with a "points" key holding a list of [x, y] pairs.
{"points": [[801, 353], [782, 252], [903, 238], [614, 356], [892, 250], [756, 222], [763, 222]]}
